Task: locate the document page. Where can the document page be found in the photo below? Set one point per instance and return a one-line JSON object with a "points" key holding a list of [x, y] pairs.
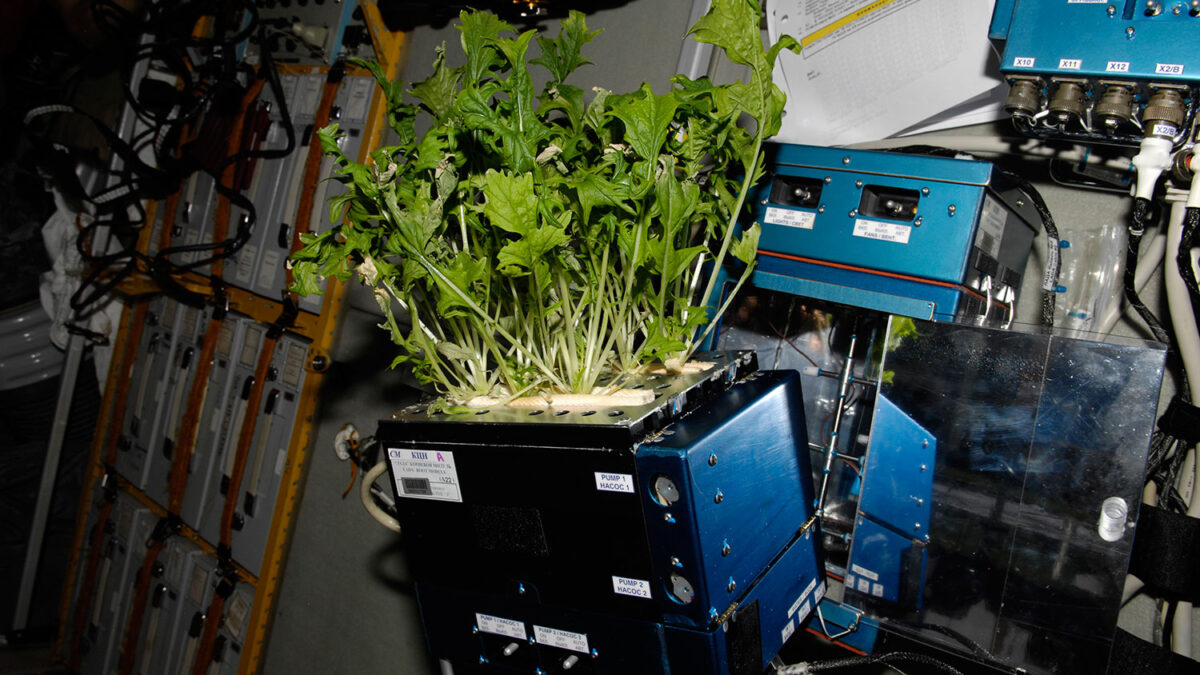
{"points": [[869, 69]]}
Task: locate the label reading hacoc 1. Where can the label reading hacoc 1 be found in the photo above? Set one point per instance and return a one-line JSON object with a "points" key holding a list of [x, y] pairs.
{"points": [[876, 229], [500, 626], [425, 474], [614, 482], [634, 588], [563, 639], [789, 218]]}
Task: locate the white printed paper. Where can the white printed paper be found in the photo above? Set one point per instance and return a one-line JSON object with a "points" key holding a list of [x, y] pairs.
{"points": [[425, 474], [500, 626], [877, 229], [614, 482], [864, 572], [856, 80], [634, 588], [563, 639], [790, 218]]}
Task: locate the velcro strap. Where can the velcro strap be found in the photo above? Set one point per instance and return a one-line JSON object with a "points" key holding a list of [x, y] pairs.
{"points": [[1165, 550], [1133, 656]]}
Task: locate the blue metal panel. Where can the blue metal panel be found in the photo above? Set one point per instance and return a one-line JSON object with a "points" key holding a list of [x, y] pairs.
{"points": [[1046, 36], [898, 478], [938, 245], [1001, 19], [858, 289], [885, 564], [845, 625], [742, 495]]}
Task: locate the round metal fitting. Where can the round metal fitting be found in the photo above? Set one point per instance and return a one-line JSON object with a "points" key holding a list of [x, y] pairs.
{"points": [[1115, 107], [712, 459], [1165, 106], [1068, 102], [719, 497], [1024, 98]]}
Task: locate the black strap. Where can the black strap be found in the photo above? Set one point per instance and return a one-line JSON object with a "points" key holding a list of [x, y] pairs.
{"points": [[1165, 550], [1181, 420], [1134, 656]]}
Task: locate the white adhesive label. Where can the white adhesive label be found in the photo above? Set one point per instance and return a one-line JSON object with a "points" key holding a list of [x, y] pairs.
{"points": [[788, 629], [235, 616], [1117, 67], [849, 581], [196, 586], [280, 460], [1168, 69], [1070, 64], [1023, 62], [864, 572], [425, 474], [877, 590], [308, 97], [360, 96], [287, 83], [787, 217], [820, 592], [634, 588], [563, 639], [805, 609], [864, 586], [876, 229], [991, 228], [500, 626], [796, 605], [268, 268], [245, 263], [809, 588], [1051, 265], [1163, 129], [614, 482]]}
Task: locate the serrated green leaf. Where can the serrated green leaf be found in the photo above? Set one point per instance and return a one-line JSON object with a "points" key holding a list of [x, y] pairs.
{"points": [[305, 278], [561, 55], [438, 91], [647, 119], [746, 248], [509, 201], [454, 351], [479, 29]]}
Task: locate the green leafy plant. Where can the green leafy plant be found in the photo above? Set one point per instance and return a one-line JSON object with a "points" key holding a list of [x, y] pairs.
{"points": [[540, 241]]}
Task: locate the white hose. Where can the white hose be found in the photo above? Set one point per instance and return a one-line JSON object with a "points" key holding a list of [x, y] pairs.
{"points": [[369, 502]]}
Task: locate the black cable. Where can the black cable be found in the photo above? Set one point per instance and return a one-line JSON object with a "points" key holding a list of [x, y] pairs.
{"points": [[1053, 259], [885, 659], [1188, 241], [1137, 228]]}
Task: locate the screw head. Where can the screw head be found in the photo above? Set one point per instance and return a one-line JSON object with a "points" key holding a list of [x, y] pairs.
{"points": [[1129, 32], [712, 459], [916, 526], [719, 497], [853, 212], [952, 209], [858, 183], [845, 160], [828, 179], [725, 548], [925, 191], [320, 363], [821, 209], [732, 585], [595, 653], [923, 467], [918, 221], [474, 630]]}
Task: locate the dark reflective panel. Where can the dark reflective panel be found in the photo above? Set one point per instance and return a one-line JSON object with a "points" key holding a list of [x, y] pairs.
{"points": [[1033, 434]]}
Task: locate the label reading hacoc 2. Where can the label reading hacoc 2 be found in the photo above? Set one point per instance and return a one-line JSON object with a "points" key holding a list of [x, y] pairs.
{"points": [[634, 588], [425, 474]]}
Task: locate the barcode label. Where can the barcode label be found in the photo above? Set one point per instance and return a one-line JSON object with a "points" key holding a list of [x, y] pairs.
{"points": [[417, 487]]}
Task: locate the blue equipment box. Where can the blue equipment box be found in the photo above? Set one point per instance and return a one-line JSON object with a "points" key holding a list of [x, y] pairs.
{"points": [[921, 236], [1107, 72], [679, 534]]}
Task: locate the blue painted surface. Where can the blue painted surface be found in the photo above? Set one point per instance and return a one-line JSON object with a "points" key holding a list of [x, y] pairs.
{"points": [[761, 471], [838, 617], [898, 478], [1049, 32]]}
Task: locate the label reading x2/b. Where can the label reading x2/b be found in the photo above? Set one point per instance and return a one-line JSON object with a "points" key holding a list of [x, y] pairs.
{"points": [[425, 474]]}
